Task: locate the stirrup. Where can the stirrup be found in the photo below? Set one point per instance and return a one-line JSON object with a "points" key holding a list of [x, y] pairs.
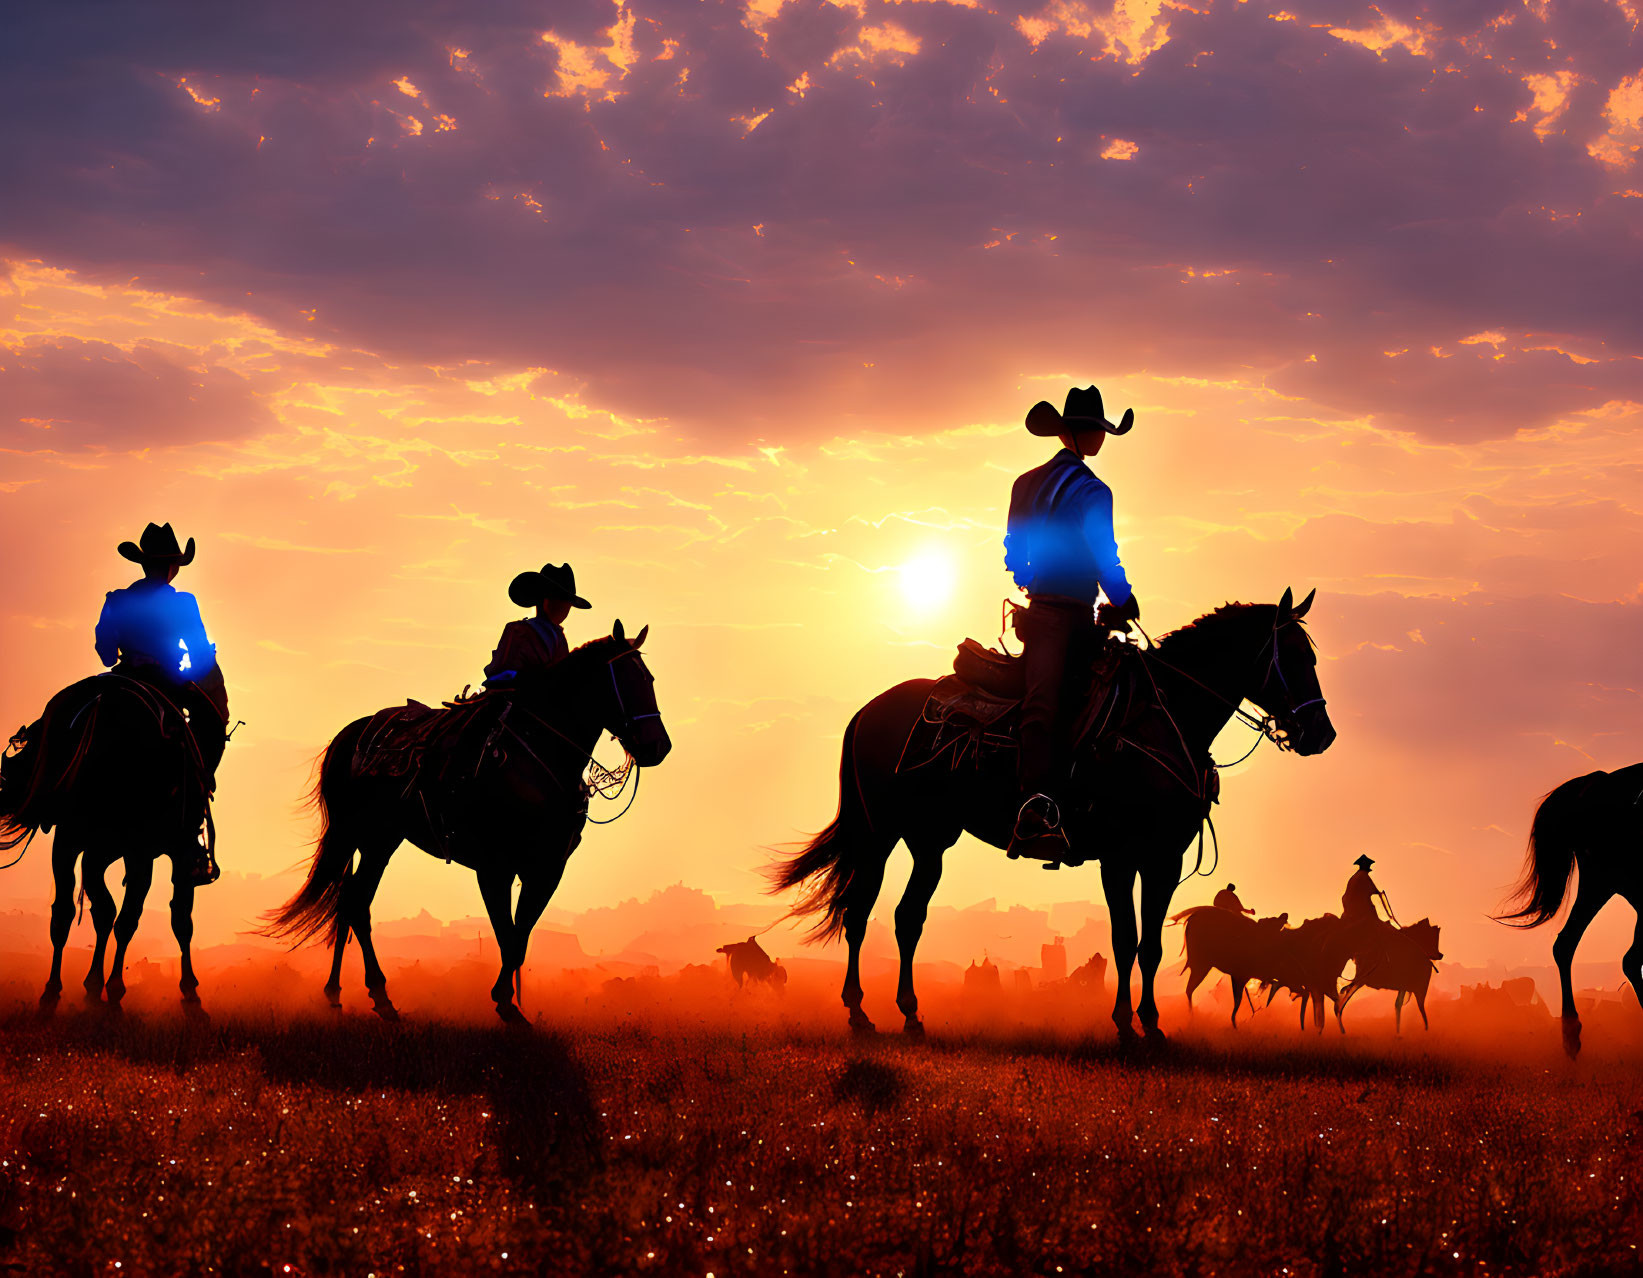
{"points": [[1038, 832]]}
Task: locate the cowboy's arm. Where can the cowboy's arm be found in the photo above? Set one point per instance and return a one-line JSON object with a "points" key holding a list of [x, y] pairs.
{"points": [[1017, 559], [511, 654], [108, 632], [1103, 544], [202, 653]]}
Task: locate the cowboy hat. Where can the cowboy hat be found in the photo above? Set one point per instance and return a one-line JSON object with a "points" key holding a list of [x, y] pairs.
{"points": [[157, 545], [555, 581], [1083, 412], [1363, 863]]}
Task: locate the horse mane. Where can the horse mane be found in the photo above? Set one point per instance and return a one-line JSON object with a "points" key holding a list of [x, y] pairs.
{"points": [[1208, 633], [605, 647]]}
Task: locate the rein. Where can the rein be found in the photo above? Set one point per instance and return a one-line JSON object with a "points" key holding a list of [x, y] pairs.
{"points": [[607, 783]]}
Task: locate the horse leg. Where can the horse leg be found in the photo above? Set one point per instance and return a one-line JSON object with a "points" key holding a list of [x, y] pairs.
{"points": [[139, 878], [1194, 980], [1420, 1006], [339, 946], [63, 855], [358, 891], [182, 927], [1397, 1013], [1157, 887], [910, 916], [535, 891], [102, 921], [1632, 963], [1237, 1000], [864, 892], [1118, 883], [1589, 899], [496, 887]]}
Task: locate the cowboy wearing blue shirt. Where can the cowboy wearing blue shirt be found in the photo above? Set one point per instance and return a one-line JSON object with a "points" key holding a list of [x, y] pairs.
{"points": [[1062, 552], [151, 631]]}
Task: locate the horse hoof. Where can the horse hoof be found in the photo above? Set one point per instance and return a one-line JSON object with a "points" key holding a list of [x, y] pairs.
{"points": [[1155, 1035], [194, 1014], [52, 996], [861, 1027], [510, 1014], [914, 1028], [191, 994], [1571, 1038]]}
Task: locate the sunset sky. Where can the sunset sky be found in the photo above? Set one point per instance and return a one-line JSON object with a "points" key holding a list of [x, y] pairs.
{"points": [[739, 307]]}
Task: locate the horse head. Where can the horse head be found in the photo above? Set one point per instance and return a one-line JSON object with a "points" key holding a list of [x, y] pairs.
{"points": [[1289, 690], [1425, 936], [632, 717]]}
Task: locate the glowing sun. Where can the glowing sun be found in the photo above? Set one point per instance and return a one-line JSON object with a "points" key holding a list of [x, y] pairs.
{"points": [[927, 580]]}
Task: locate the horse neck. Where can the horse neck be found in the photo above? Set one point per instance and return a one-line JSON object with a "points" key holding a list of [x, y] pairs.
{"points": [[571, 700], [1207, 681]]}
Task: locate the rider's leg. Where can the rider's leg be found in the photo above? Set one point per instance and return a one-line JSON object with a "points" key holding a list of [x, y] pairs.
{"points": [[1046, 633]]}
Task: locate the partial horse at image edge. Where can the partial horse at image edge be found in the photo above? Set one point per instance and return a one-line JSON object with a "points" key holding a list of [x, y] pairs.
{"points": [[1590, 824]]}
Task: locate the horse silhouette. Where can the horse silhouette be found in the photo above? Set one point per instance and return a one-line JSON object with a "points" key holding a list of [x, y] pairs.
{"points": [[519, 815], [116, 771], [1394, 958], [1139, 806], [1215, 939], [1592, 824], [748, 961]]}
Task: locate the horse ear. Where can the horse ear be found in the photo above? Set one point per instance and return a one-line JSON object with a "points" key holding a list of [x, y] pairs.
{"points": [[1286, 606], [1306, 603], [639, 639], [616, 630]]}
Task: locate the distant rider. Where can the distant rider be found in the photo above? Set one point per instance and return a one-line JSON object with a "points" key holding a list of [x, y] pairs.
{"points": [[152, 632], [533, 644], [1227, 899], [1062, 551], [1358, 901]]}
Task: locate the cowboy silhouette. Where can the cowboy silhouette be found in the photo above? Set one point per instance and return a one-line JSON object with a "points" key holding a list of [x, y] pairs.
{"points": [[1227, 899], [1358, 901], [1062, 552], [150, 631], [535, 643]]}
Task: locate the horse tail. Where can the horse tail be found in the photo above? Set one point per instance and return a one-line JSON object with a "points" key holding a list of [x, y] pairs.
{"points": [[1562, 826], [27, 807], [314, 909], [831, 857]]}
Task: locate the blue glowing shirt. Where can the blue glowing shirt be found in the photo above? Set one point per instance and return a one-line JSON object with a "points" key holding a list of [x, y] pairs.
{"points": [[150, 623], [1060, 539]]}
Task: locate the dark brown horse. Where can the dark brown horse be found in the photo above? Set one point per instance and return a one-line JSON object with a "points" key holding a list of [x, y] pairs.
{"points": [[1591, 823], [1137, 809], [112, 767], [517, 816], [1394, 958]]}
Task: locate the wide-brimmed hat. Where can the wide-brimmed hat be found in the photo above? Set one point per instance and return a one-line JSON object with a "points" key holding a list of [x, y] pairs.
{"points": [[555, 581], [1083, 412], [1363, 863], [158, 545]]}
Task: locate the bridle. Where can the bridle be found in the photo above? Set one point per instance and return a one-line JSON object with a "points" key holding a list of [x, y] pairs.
{"points": [[629, 720], [1271, 727]]}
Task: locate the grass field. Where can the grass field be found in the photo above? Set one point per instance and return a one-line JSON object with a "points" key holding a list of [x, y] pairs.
{"points": [[149, 1144]]}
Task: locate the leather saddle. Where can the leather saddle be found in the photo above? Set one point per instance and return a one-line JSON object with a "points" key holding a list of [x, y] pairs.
{"points": [[975, 712], [397, 740]]}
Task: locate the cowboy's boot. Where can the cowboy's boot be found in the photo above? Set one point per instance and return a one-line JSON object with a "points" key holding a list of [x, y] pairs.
{"points": [[1039, 834]]}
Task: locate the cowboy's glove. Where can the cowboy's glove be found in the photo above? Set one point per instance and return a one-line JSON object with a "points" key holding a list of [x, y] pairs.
{"points": [[1111, 616]]}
